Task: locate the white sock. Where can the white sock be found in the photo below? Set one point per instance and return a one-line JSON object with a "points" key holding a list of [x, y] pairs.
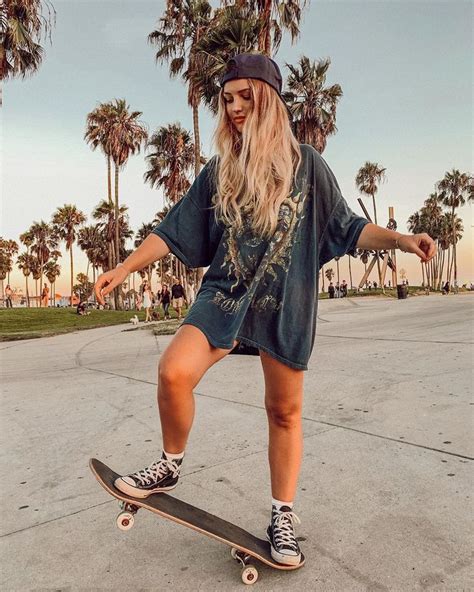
{"points": [[279, 504], [175, 456]]}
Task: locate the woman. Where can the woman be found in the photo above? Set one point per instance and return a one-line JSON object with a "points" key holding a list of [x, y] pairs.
{"points": [[147, 300], [165, 301], [264, 214], [8, 296], [44, 295]]}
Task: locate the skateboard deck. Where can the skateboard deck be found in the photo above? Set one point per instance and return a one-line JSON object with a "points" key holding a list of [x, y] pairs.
{"points": [[244, 544]]}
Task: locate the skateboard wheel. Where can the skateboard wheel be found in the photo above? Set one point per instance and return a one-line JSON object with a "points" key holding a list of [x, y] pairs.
{"points": [[125, 520], [249, 575]]}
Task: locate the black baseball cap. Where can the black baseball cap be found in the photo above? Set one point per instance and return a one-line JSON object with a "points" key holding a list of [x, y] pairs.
{"points": [[254, 65]]}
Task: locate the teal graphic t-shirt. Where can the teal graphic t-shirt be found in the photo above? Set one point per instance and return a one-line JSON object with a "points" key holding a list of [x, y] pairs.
{"points": [[263, 292]]}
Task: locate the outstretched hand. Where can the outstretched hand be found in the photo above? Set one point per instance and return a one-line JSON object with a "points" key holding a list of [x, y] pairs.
{"points": [[420, 244], [108, 281]]}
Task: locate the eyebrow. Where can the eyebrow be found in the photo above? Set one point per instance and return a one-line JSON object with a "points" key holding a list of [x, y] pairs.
{"points": [[239, 91]]}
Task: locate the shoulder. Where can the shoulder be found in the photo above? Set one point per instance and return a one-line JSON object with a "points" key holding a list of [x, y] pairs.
{"points": [[311, 153]]}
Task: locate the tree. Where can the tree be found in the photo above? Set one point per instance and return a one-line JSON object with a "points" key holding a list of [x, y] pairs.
{"points": [[52, 271], [97, 134], [312, 103], [180, 30], [84, 287], [23, 24], [42, 242], [273, 16], [26, 262], [126, 136], [455, 190], [367, 180], [66, 220]]}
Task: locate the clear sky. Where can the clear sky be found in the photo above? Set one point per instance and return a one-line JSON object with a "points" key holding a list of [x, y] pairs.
{"points": [[405, 68]]}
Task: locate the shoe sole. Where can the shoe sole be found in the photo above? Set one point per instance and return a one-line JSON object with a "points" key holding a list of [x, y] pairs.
{"points": [[284, 559], [139, 493]]}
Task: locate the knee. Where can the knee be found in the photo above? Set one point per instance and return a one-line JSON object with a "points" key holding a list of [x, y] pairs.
{"points": [[173, 375], [284, 416]]}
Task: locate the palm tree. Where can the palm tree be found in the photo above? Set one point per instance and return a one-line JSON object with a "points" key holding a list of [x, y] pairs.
{"points": [[140, 236], [273, 15], [25, 263], [367, 180], [52, 271], [66, 220], [23, 24], [8, 248], [126, 136], [312, 103], [37, 275], [170, 162], [90, 241], [104, 212], [43, 243], [455, 190], [97, 134], [180, 29], [5, 268]]}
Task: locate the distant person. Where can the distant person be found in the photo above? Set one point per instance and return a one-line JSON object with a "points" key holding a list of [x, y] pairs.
{"points": [[446, 288], [147, 299], [82, 308], [344, 288], [8, 297], [177, 297], [165, 301], [45, 295], [331, 290]]}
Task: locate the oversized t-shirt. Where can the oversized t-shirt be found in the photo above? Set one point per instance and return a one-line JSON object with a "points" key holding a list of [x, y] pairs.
{"points": [[263, 292]]}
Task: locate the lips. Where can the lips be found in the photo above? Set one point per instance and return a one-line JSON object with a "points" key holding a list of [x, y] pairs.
{"points": [[239, 119]]}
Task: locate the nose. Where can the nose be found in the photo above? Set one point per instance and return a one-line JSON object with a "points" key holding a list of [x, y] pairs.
{"points": [[237, 107]]}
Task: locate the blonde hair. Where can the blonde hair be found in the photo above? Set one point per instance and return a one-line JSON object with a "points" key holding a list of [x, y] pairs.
{"points": [[256, 168]]}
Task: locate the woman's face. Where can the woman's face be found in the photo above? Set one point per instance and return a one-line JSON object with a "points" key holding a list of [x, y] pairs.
{"points": [[238, 101]]}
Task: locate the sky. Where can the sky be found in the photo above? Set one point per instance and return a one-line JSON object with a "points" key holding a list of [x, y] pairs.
{"points": [[405, 68]]}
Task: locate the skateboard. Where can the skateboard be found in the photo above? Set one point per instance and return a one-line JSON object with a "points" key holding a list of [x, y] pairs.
{"points": [[244, 545]]}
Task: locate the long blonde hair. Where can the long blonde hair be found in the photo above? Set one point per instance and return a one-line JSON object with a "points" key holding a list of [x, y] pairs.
{"points": [[255, 169]]}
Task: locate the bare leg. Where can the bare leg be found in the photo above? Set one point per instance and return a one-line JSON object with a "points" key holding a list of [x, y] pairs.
{"points": [[181, 367], [283, 403]]}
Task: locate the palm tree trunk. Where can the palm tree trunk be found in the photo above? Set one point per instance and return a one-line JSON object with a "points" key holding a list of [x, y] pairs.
{"points": [[27, 293], [109, 179], [72, 271], [117, 236], [264, 43], [454, 251], [376, 252], [423, 274], [350, 270]]}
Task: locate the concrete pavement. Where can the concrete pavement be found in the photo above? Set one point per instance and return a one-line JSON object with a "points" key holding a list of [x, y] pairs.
{"points": [[385, 492]]}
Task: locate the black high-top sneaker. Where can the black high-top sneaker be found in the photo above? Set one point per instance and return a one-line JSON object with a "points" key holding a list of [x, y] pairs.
{"points": [[281, 535], [160, 476]]}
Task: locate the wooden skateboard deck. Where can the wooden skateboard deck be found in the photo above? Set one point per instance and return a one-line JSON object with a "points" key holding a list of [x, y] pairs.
{"points": [[244, 544]]}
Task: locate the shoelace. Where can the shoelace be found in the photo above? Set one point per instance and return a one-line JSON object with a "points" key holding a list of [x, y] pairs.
{"points": [[283, 529], [155, 471]]}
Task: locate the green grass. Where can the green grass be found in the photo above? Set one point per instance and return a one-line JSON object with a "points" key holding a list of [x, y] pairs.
{"points": [[27, 323]]}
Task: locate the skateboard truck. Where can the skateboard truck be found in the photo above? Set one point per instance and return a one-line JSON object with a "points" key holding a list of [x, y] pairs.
{"points": [[126, 518], [249, 572]]}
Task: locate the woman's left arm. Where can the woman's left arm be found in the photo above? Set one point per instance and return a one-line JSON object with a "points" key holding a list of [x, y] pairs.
{"points": [[375, 237]]}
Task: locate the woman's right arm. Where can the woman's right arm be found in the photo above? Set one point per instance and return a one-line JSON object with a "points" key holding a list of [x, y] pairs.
{"points": [[152, 249]]}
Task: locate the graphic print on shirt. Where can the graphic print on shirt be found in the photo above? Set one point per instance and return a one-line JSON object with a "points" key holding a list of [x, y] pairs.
{"points": [[250, 258]]}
